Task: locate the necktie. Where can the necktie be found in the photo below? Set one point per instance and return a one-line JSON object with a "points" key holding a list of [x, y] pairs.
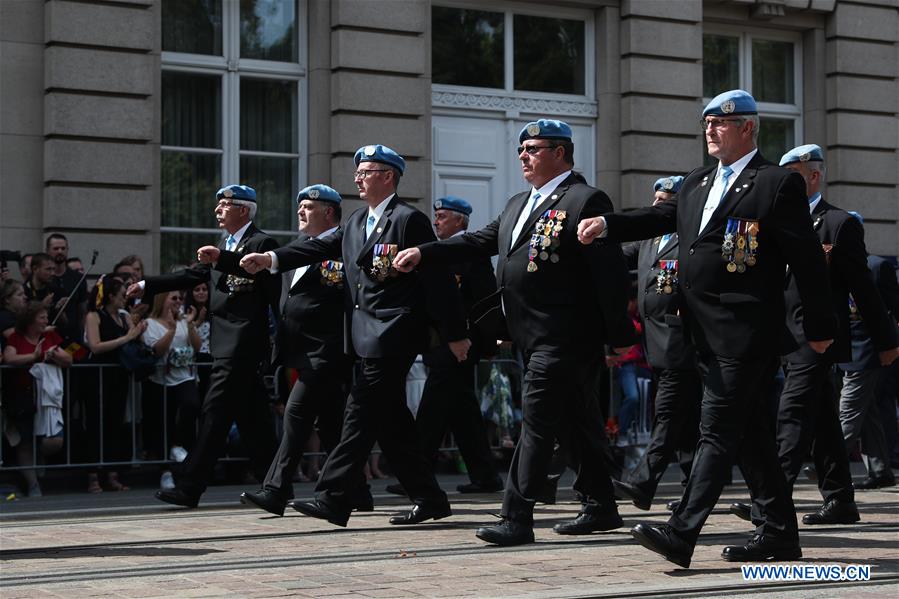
{"points": [[663, 241], [529, 207], [369, 225], [229, 243], [712, 203]]}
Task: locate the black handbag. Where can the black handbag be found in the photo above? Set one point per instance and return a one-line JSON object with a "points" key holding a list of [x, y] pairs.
{"points": [[138, 359]]}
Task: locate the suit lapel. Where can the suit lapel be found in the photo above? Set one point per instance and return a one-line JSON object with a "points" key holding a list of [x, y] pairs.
{"points": [[739, 190], [507, 225], [670, 249], [691, 204], [381, 229], [539, 209]]}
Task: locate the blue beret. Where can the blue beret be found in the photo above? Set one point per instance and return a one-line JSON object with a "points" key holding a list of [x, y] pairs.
{"points": [[236, 192], [382, 154], [545, 129], [803, 154], [453, 203], [668, 184], [319, 192], [734, 102]]}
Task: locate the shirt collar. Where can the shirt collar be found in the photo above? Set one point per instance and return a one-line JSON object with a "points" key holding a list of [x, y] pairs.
{"points": [[738, 165], [550, 186], [240, 233], [326, 233], [378, 210], [813, 201]]}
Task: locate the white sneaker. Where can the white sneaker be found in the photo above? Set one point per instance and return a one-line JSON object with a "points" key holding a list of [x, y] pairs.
{"points": [[167, 481], [177, 453]]}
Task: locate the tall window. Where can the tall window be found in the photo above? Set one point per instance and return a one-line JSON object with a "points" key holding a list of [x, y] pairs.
{"points": [[768, 66], [510, 51], [233, 87]]}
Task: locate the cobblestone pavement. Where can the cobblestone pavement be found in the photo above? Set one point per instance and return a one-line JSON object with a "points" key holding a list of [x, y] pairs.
{"points": [[130, 545]]}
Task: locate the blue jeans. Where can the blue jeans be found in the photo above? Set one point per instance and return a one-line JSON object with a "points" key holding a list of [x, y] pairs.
{"points": [[630, 394]]}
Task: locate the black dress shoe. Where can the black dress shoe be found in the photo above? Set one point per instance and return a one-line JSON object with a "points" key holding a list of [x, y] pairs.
{"points": [[266, 499], [548, 494], [321, 510], [591, 519], [486, 487], [672, 505], [835, 511], [872, 482], [507, 533], [632, 492], [422, 512], [396, 489], [662, 539], [761, 548], [743, 511], [178, 497]]}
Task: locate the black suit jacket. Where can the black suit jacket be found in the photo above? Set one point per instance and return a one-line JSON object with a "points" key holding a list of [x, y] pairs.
{"points": [[732, 314], [843, 238], [310, 334], [573, 305], [476, 282], [392, 317], [238, 302], [867, 342], [664, 340]]}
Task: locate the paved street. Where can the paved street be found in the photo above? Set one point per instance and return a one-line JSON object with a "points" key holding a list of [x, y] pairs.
{"points": [[129, 545]]}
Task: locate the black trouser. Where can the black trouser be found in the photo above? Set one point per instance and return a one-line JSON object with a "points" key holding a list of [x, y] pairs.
{"points": [[318, 393], [675, 427], [179, 411], [808, 417], [376, 411], [449, 402], [558, 399], [733, 423], [236, 392]]}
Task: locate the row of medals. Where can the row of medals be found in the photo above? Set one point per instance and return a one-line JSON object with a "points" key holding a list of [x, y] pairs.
{"points": [[382, 260], [332, 273], [666, 280], [740, 244], [545, 241]]}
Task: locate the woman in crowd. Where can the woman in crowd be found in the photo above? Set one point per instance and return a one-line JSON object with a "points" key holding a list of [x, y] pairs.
{"points": [[197, 299], [31, 343], [170, 394], [107, 328], [12, 301]]}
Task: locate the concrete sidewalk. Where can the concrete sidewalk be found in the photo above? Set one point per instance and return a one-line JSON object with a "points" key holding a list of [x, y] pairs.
{"points": [[130, 545]]}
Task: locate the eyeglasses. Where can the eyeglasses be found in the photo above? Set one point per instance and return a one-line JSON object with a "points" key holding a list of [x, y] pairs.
{"points": [[716, 123], [533, 149], [365, 173]]}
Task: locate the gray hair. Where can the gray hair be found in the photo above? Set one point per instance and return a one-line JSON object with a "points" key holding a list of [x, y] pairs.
{"points": [[251, 206], [754, 119]]}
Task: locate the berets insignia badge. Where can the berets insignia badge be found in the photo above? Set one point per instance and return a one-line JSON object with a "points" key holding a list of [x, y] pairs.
{"points": [[805, 157], [370, 150], [728, 106], [313, 194], [438, 205], [228, 193], [667, 184], [533, 129]]}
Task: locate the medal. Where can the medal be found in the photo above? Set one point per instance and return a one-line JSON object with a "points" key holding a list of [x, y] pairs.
{"points": [[731, 267], [667, 289], [741, 268], [554, 258], [532, 266], [750, 261]]}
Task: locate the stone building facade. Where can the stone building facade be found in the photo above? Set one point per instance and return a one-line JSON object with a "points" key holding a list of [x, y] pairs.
{"points": [[118, 118]]}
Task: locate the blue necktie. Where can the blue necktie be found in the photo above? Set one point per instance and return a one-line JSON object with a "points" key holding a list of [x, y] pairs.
{"points": [[726, 172], [229, 243], [663, 241], [710, 208], [369, 225]]}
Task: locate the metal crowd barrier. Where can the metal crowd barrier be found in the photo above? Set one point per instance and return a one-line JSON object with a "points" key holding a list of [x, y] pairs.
{"points": [[134, 410]]}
